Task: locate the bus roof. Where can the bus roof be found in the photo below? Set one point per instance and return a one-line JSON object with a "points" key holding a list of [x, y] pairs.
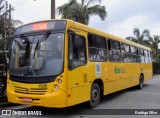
{"points": [[107, 35], [89, 29]]}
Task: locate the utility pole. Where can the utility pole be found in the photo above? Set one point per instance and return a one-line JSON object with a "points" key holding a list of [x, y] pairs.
{"points": [[52, 9], [10, 9], [9, 31], [5, 26]]}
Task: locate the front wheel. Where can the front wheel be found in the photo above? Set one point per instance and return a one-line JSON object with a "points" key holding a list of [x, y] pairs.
{"points": [[94, 95]]}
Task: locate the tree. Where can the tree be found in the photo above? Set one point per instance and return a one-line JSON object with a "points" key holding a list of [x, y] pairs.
{"points": [[153, 43], [138, 37], [7, 25], [81, 12]]}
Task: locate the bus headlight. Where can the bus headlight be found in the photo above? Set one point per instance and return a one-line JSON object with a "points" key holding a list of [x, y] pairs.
{"points": [[56, 86], [59, 81]]}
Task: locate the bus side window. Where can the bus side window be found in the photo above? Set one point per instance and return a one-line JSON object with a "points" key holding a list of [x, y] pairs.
{"points": [[150, 57], [114, 51], [125, 53], [146, 56], [141, 54], [97, 48], [134, 54], [77, 51]]}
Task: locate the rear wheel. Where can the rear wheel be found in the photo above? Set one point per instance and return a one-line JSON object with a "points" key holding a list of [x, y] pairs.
{"points": [[94, 95], [141, 82]]}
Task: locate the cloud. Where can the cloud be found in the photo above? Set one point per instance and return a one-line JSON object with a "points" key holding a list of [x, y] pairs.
{"points": [[156, 29], [123, 15], [125, 28]]}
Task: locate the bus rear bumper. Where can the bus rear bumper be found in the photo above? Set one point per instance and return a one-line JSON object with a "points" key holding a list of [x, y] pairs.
{"points": [[54, 100]]}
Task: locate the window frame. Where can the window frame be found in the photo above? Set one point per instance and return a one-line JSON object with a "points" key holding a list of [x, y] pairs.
{"points": [[86, 60], [141, 54], [104, 49], [123, 53], [110, 49]]}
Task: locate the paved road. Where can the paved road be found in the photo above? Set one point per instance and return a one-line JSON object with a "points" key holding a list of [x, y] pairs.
{"points": [[147, 98]]}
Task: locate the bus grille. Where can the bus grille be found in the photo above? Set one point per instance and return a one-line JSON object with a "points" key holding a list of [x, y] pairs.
{"points": [[34, 91]]}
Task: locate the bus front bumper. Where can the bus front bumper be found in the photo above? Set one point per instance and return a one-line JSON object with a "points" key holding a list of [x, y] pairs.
{"points": [[54, 100]]}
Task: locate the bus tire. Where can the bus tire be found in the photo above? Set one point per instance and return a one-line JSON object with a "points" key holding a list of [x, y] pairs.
{"points": [[141, 82], [94, 95]]}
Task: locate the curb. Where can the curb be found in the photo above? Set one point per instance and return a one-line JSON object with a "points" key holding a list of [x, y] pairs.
{"points": [[7, 104], [4, 104], [156, 76]]}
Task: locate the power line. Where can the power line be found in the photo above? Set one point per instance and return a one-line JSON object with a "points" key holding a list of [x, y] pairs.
{"points": [[20, 4], [15, 6], [15, 2], [28, 17]]}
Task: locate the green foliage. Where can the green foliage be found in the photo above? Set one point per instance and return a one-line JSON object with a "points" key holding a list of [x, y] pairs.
{"points": [[156, 67], [7, 26], [158, 57], [81, 12], [3, 56], [154, 41], [146, 39], [139, 37]]}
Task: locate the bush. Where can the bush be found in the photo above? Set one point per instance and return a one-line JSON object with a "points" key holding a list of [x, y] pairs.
{"points": [[156, 67]]}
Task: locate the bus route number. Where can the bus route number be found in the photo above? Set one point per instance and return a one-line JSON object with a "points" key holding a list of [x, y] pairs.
{"points": [[43, 86]]}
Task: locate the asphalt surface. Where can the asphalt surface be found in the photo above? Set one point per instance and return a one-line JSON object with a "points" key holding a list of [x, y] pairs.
{"points": [[124, 102]]}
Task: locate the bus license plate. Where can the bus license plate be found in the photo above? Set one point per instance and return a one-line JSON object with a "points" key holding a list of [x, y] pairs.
{"points": [[27, 99]]}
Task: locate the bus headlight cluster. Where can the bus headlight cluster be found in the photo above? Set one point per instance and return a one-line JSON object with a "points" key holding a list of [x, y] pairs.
{"points": [[56, 86], [59, 81]]}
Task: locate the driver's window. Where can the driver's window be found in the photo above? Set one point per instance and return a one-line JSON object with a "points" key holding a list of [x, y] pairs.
{"points": [[77, 51]]}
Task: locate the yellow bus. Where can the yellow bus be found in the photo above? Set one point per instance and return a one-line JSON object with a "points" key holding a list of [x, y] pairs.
{"points": [[60, 63]]}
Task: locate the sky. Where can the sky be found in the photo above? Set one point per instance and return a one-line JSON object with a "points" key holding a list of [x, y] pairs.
{"points": [[122, 15]]}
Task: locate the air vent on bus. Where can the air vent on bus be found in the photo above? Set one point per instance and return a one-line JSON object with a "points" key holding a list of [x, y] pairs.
{"points": [[25, 90]]}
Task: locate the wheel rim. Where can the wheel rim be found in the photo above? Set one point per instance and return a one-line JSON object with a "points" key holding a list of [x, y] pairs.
{"points": [[95, 95]]}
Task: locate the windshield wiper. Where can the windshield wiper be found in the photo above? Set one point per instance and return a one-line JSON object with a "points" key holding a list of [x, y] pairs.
{"points": [[44, 38]]}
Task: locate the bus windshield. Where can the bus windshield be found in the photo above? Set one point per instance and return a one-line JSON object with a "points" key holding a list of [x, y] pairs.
{"points": [[37, 55]]}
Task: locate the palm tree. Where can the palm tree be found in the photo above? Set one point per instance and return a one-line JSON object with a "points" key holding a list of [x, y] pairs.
{"points": [[138, 37], [153, 42], [82, 11]]}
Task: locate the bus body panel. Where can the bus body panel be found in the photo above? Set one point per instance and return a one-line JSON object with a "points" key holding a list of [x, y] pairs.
{"points": [[135, 73], [118, 73], [50, 98], [149, 72], [78, 79], [76, 83]]}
